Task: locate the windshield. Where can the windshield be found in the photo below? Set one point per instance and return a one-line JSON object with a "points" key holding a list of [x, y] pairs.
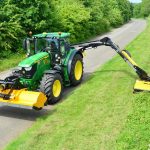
{"points": [[42, 43]]}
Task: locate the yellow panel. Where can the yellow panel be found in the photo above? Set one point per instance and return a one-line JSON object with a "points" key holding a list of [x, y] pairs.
{"points": [[24, 97], [129, 58], [78, 70], [142, 85]]}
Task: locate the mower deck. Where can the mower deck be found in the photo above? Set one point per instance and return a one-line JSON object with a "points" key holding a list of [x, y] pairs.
{"points": [[23, 97], [142, 86]]}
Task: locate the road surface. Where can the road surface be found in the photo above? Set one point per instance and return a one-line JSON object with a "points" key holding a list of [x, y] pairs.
{"points": [[14, 120]]}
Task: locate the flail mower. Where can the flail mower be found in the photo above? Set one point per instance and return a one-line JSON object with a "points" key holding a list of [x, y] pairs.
{"points": [[51, 64]]}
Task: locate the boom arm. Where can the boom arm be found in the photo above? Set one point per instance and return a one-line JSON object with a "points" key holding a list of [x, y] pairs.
{"points": [[123, 53]]}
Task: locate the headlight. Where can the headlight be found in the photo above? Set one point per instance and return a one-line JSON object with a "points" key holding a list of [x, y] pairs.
{"points": [[28, 72], [28, 68]]}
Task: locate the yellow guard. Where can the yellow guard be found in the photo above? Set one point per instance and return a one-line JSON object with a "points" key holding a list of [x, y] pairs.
{"points": [[142, 85], [24, 97]]}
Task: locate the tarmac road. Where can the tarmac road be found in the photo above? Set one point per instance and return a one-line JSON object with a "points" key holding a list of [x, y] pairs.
{"points": [[14, 120]]}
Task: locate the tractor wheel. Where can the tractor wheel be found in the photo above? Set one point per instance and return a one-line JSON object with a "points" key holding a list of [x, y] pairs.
{"points": [[52, 86], [76, 73]]}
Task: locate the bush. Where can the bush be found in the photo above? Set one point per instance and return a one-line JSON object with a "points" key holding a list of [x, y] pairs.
{"points": [[82, 18]]}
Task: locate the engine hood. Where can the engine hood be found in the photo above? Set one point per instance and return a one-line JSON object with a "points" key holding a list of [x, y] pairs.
{"points": [[28, 62]]}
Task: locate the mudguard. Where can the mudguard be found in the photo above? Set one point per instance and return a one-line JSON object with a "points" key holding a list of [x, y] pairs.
{"points": [[71, 59]]}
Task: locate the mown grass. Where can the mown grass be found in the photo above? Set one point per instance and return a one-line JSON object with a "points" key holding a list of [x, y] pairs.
{"points": [[102, 114], [10, 61]]}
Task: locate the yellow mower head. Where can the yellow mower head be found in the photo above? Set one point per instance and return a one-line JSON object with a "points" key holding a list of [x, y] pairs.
{"points": [[141, 86], [23, 97]]}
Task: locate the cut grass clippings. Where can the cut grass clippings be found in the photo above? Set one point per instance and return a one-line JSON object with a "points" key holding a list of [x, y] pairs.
{"points": [[101, 114]]}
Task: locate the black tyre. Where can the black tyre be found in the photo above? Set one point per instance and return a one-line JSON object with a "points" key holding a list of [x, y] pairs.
{"points": [[52, 86], [76, 73]]}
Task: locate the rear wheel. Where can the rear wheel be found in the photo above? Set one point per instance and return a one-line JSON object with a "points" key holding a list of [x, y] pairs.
{"points": [[76, 73], [51, 85]]}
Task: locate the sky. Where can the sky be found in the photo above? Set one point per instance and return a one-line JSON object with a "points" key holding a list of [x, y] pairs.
{"points": [[135, 1]]}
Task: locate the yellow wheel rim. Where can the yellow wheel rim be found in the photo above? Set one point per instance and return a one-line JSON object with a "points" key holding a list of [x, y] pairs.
{"points": [[1, 87], [78, 70], [56, 88]]}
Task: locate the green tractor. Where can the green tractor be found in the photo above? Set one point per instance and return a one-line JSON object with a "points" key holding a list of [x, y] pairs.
{"points": [[51, 64]]}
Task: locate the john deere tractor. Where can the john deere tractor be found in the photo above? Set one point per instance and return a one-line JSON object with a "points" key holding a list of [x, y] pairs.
{"points": [[51, 64]]}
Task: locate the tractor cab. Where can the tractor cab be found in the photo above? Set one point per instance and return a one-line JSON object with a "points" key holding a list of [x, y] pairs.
{"points": [[53, 43]]}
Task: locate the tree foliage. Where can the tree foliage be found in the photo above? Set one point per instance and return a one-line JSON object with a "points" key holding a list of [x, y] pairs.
{"points": [[137, 10], [145, 8], [142, 9], [82, 18]]}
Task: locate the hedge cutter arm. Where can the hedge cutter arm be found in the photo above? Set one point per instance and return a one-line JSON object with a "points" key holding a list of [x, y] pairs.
{"points": [[143, 84]]}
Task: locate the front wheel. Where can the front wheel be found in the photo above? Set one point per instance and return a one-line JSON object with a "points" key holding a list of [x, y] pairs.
{"points": [[52, 86], [76, 73]]}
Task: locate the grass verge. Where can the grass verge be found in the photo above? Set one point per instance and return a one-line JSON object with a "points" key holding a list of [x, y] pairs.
{"points": [[11, 61], [102, 114]]}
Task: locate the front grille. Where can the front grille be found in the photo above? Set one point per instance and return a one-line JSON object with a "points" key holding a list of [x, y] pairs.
{"points": [[29, 74]]}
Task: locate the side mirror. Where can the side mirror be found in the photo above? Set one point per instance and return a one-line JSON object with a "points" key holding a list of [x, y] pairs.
{"points": [[24, 44]]}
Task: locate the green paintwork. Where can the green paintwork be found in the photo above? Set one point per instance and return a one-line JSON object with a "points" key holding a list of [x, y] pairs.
{"points": [[43, 61], [28, 62], [65, 68], [54, 34]]}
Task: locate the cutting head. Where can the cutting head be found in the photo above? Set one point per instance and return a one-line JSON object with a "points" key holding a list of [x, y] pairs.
{"points": [[141, 85], [23, 97]]}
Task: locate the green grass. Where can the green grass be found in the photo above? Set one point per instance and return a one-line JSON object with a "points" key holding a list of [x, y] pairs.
{"points": [[101, 114], [11, 61]]}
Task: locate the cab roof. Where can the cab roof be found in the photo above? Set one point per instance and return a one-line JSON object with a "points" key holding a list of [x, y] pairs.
{"points": [[52, 35]]}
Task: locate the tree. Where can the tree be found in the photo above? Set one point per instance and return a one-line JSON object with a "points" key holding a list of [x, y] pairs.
{"points": [[82, 18], [10, 30], [137, 10], [125, 8], [145, 10], [71, 16]]}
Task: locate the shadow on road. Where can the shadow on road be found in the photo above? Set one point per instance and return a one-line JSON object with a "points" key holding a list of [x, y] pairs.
{"points": [[26, 113], [31, 115], [23, 113]]}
